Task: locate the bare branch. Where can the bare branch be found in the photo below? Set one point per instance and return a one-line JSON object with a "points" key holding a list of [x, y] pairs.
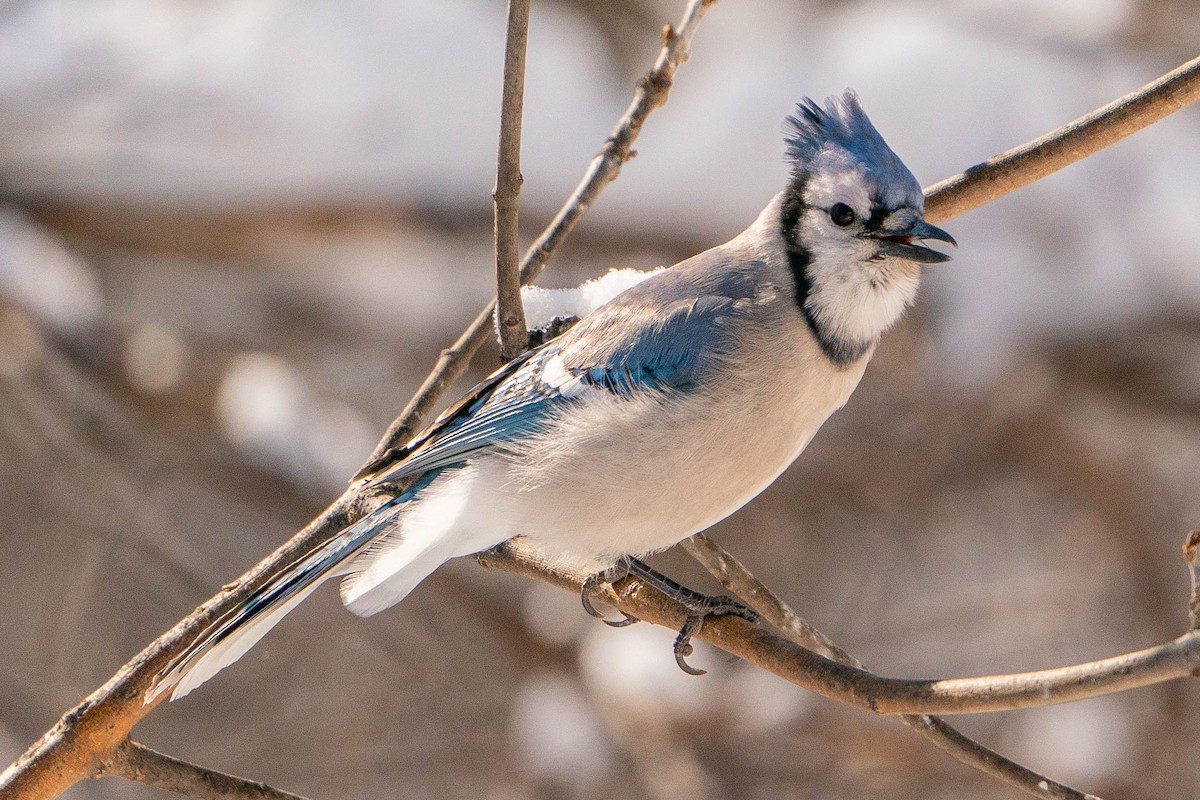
{"points": [[137, 762], [1179, 658], [651, 92], [736, 578], [1073, 142], [510, 315]]}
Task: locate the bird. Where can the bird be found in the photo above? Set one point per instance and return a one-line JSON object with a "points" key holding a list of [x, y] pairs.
{"points": [[653, 417]]}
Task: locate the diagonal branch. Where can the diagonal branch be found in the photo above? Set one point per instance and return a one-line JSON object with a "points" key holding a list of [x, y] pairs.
{"points": [[1073, 142], [735, 577], [510, 314], [1191, 552]]}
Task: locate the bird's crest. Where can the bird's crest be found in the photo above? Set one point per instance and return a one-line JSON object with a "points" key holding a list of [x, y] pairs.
{"points": [[839, 135]]}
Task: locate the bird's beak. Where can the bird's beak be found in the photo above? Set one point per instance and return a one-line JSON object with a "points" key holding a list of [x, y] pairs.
{"points": [[901, 243]]}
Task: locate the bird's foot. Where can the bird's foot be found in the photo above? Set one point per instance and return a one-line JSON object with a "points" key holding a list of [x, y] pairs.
{"points": [[698, 605], [610, 575]]}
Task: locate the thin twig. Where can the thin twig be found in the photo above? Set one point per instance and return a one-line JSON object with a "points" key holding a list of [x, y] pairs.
{"points": [[510, 314], [139, 763], [1073, 142], [736, 578], [651, 92]]}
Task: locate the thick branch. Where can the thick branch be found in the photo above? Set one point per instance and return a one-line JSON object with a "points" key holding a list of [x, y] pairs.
{"points": [[734, 576], [139, 763], [510, 315], [1179, 658], [1073, 142], [651, 92]]}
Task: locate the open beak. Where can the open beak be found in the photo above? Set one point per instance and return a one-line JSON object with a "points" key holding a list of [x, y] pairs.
{"points": [[902, 244]]}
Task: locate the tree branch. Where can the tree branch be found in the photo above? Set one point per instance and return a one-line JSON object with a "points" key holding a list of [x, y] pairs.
{"points": [[736, 578], [137, 762], [510, 314], [88, 733], [1179, 658], [1073, 142], [651, 92]]}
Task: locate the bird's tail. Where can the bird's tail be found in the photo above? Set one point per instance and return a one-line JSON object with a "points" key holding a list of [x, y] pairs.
{"points": [[232, 634]]}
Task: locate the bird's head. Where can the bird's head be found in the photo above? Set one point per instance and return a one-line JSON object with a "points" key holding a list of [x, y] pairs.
{"points": [[852, 220]]}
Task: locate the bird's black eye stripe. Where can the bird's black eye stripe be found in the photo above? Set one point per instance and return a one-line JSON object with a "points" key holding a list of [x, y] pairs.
{"points": [[841, 214]]}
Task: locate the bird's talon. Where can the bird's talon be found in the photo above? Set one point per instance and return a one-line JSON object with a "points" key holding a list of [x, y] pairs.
{"points": [[589, 586], [681, 654], [698, 605], [609, 575], [683, 643]]}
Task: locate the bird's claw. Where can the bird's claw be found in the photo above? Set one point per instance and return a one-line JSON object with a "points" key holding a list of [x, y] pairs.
{"points": [[608, 575], [683, 644], [698, 605], [622, 623]]}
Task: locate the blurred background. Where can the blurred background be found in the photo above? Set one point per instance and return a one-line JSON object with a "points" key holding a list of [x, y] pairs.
{"points": [[234, 235]]}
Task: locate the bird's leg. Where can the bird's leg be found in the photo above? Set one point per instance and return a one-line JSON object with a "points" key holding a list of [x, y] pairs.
{"points": [[698, 605]]}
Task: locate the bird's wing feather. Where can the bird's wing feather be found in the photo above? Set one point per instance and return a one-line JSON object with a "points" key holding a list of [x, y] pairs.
{"points": [[629, 347], [619, 349], [509, 402]]}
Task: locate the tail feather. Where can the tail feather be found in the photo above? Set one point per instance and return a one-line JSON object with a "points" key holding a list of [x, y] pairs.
{"points": [[229, 637], [389, 569], [444, 524]]}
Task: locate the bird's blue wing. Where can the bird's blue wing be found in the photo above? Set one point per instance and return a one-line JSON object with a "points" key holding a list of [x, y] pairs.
{"points": [[620, 349], [630, 347], [511, 402]]}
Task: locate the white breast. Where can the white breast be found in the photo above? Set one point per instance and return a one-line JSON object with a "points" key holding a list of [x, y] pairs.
{"points": [[634, 476]]}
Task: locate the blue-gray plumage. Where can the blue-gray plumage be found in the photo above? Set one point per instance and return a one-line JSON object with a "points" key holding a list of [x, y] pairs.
{"points": [[659, 413]]}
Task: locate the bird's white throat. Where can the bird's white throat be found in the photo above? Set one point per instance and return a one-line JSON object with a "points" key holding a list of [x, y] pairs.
{"points": [[856, 302]]}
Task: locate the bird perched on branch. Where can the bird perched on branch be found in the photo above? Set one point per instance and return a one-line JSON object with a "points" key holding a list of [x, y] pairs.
{"points": [[658, 414]]}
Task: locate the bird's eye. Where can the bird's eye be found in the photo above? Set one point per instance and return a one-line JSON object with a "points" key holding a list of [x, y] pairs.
{"points": [[841, 214]]}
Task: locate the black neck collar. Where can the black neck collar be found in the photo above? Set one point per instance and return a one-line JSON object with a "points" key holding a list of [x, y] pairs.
{"points": [[837, 350]]}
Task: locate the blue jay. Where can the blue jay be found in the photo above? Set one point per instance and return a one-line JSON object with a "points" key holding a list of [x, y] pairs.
{"points": [[658, 414]]}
